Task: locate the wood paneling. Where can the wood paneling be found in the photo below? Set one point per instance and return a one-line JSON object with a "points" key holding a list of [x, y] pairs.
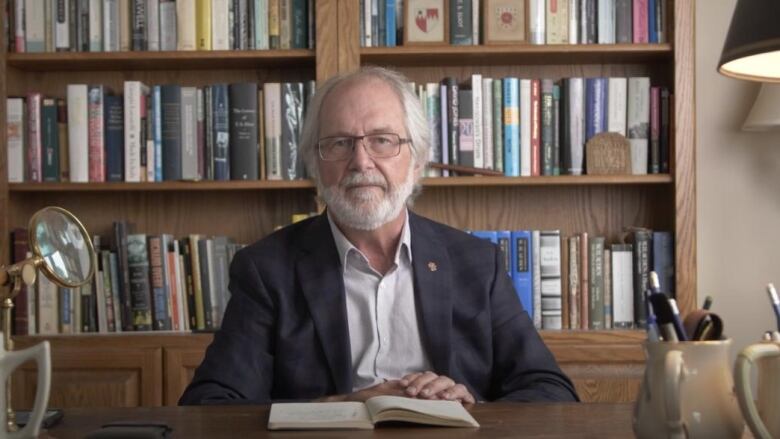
{"points": [[327, 41], [180, 365]]}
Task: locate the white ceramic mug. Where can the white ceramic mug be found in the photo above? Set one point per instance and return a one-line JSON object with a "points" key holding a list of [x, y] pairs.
{"points": [[762, 418], [9, 361], [687, 392]]}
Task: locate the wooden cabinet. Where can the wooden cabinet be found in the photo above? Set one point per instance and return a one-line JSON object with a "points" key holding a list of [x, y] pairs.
{"points": [[153, 369]]}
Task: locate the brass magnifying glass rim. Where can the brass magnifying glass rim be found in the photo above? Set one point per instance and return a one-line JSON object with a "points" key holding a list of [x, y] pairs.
{"points": [[35, 246]]}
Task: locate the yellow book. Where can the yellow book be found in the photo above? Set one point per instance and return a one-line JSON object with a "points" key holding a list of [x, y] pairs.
{"points": [[273, 23], [203, 32]]}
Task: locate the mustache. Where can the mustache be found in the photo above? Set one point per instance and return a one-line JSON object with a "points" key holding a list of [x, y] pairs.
{"points": [[358, 179]]}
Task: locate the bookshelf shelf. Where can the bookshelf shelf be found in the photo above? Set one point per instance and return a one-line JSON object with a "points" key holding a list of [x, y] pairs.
{"points": [[307, 184], [516, 54], [175, 60]]}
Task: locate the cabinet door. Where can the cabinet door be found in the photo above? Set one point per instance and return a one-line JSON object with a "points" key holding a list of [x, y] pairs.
{"points": [[96, 377], [180, 365]]}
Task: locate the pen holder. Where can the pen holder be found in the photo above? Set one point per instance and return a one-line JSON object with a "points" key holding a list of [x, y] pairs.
{"points": [[687, 392], [762, 415]]}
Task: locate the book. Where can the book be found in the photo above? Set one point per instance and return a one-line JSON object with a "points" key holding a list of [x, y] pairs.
{"points": [[363, 416]]}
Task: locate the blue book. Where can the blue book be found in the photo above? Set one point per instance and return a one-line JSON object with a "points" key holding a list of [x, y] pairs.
{"points": [[221, 131], [157, 132], [114, 126], [663, 260], [489, 235], [522, 269], [504, 238], [511, 127], [390, 23], [652, 28], [595, 106]]}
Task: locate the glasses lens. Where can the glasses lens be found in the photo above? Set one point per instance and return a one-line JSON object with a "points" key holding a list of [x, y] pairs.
{"points": [[336, 148], [383, 145]]}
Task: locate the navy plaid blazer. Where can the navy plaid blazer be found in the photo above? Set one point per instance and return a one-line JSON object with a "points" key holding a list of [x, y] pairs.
{"points": [[284, 335]]}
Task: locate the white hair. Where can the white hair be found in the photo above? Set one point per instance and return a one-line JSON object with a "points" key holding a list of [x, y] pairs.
{"points": [[415, 122]]}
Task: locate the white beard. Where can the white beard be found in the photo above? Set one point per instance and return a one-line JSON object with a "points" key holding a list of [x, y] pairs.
{"points": [[366, 208]]}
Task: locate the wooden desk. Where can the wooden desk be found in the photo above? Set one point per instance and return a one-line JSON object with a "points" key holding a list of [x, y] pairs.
{"points": [[497, 420]]}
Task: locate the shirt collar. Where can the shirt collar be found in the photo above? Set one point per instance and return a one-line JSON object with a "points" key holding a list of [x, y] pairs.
{"points": [[344, 246]]}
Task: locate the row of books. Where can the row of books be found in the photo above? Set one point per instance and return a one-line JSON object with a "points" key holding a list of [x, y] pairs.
{"points": [[547, 21], [582, 281], [165, 132], [532, 127], [155, 25], [142, 283]]}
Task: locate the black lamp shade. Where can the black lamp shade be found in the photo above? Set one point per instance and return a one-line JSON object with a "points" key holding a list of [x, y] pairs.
{"points": [[752, 47]]}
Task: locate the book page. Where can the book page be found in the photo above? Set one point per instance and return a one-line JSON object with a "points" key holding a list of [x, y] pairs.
{"points": [[319, 415], [396, 408]]}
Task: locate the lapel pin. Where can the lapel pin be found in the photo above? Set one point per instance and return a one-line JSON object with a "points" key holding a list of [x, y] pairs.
{"points": [[432, 266]]}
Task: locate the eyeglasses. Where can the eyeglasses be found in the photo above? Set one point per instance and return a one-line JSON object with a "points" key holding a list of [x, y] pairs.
{"points": [[379, 145]]}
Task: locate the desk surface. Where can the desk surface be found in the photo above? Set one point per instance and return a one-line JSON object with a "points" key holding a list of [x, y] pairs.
{"points": [[244, 422]]}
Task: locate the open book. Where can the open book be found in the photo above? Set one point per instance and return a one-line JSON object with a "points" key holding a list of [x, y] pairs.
{"points": [[358, 415]]}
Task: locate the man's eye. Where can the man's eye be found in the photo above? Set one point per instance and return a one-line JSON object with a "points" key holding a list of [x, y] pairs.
{"points": [[381, 140], [340, 143]]}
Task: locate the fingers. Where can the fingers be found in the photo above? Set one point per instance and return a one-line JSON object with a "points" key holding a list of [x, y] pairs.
{"points": [[417, 385], [458, 392]]}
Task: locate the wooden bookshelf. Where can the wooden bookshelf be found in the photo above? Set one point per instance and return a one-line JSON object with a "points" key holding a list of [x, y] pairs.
{"points": [[152, 369]]}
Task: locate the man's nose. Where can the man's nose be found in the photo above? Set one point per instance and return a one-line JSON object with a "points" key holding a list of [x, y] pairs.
{"points": [[360, 159]]}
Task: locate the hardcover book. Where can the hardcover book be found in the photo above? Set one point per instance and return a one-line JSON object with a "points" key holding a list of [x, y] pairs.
{"points": [[363, 416]]}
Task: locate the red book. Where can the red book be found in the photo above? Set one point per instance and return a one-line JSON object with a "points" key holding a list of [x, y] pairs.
{"points": [[95, 134], [640, 22], [536, 128], [655, 130]]}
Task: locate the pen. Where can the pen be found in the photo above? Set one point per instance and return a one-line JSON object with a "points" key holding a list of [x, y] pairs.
{"points": [[707, 302], [677, 322], [770, 289]]}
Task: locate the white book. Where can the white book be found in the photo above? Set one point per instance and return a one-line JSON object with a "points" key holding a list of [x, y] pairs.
{"points": [[15, 139], [189, 133], [273, 130], [525, 127], [606, 21], [557, 27], [536, 21], [574, 21], [34, 25], [616, 105], [638, 122], [363, 416], [622, 286], [432, 105], [124, 25], [367, 22], [550, 274], [476, 111], [111, 17], [153, 25], [220, 25], [583, 21], [48, 310], [78, 133], [576, 126], [167, 25], [19, 15], [49, 6], [95, 25], [475, 24], [487, 122], [536, 272], [185, 25], [135, 93], [62, 25], [261, 24]]}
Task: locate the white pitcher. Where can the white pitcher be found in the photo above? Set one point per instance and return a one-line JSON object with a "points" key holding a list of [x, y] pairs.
{"points": [[687, 392], [762, 418], [9, 361]]}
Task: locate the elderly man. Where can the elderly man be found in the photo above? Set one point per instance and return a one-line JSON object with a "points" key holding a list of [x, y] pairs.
{"points": [[369, 298]]}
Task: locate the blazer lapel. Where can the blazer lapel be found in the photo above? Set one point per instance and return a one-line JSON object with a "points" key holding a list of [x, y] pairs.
{"points": [[432, 292], [319, 273]]}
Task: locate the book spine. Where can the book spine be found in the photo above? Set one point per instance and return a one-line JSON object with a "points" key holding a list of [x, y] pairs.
{"points": [[21, 247], [34, 25], [285, 20], [19, 36], [119, 318], [453, 106], [616, 107], [197, 284], [156, 131], [170, 103], [15, 139], [536, 123], [476, 121], [50, 145], [113, 112], [139, 24], [574, 21], [557, 26], [465, 128], [189, 139], [584, 281], [641, 273], [62, 26], [432, 114], [140, 291], [522, 268], [511, 124], [547, 127], [487, 123], [273, 24], [95, 25], [622, 287], [292, 110], [655, 130], [536, 284], [299, 27], [203, 27], [200, 132], [607, 288], [526, 168], [550, 279], [62, 129], [243, 132], [498, 125], [596, 107], [153, 25], [96, 134], [443, 127], [160, 292], [536, 21], [168, 29], [638, 121], [652, 30], [556, 129], [596, 285], [221, 131], [123, 275], [108, 290], [663, 261], [639, 23], [34, 138], [460, 23], [606, 21], [186, 23], [623, 22], [78, 132], [273, 131], [261, 24], [665, 139]]}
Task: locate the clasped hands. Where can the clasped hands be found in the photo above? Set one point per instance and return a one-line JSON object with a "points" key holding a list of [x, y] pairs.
{"points": [[422, 385]]}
